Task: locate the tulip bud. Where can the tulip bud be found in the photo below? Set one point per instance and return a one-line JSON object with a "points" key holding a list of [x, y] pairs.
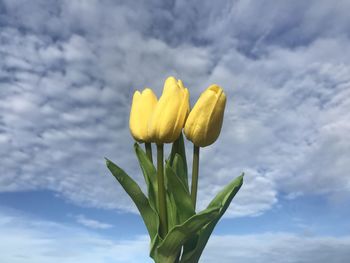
{"points": [[170, 113], [204, 122], [142, 108]]}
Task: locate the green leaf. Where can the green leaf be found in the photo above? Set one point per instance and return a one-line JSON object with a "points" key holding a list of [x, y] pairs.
{"points": [[171, 245], [171, 210], [222, 200], [224, 197], [180, 169], [150, 217], [179, 148], [150, 175], [180, 196], [154, 244]]}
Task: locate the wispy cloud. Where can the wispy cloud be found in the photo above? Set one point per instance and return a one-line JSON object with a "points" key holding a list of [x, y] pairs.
{"points": [[277, 247], [92, 223], [26, 239], [67, 81]]}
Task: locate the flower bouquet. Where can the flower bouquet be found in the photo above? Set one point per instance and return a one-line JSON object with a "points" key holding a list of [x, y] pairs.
{"points": [[178, 233]]}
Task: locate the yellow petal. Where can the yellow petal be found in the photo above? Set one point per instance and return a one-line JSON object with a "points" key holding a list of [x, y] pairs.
{"points": [[133, 121], [204, 122], [142, 108], [170, 113]]}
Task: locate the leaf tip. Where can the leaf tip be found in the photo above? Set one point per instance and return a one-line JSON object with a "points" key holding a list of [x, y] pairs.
{"points": [[108, 162], [241, 177]]}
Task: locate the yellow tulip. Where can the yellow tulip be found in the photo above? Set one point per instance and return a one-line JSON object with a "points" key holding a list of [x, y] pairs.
{"points": [[142, 108], [204, 122], [170, 113]]}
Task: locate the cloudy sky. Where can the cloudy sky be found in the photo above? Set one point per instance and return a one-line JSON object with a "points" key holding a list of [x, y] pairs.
{"points": [[68, 70]]}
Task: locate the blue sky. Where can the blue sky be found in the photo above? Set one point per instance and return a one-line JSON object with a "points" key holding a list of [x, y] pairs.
{"points": [[68, 73]]}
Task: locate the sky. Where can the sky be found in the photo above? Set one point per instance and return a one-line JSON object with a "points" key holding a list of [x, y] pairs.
{"points": [[68, 70]]}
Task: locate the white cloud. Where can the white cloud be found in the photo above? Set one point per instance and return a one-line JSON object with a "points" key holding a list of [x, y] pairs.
{"points": [[257, 194], [67, 81], [277, 247], [29, 240], [33, 240], [277, 123], [92, 223]]}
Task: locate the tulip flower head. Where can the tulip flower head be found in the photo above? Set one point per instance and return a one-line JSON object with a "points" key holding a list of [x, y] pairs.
{"points": [[142, 108], [170, 113], [204, 122]]}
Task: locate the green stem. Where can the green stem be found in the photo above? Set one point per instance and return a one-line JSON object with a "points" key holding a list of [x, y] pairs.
{"points": [[161, 192], [195, 168], [148, 147]]}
